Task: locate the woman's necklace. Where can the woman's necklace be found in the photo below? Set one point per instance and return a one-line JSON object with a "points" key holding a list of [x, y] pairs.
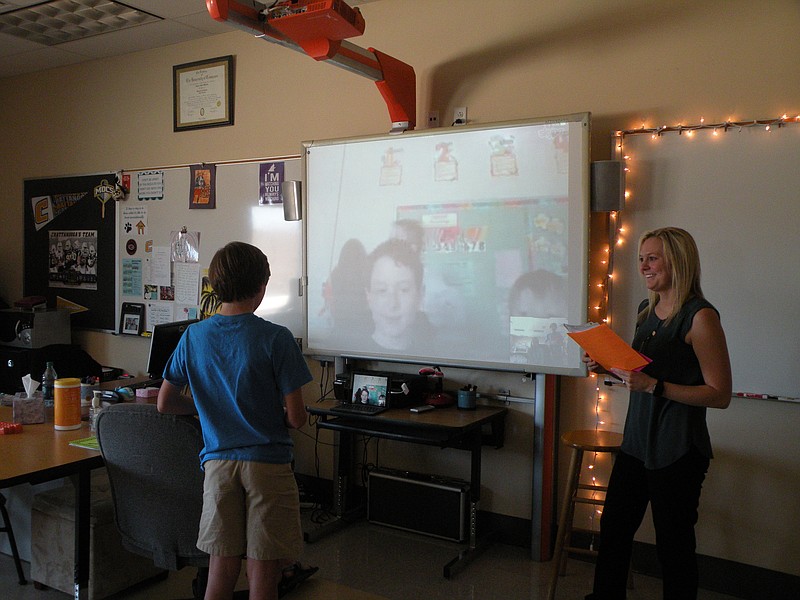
{"points": [[650, 335]]}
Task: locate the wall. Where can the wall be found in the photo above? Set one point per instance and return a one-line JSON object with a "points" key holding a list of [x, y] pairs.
{"points": [[626, 61]]}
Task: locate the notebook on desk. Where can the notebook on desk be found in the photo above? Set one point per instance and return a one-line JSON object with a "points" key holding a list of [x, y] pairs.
{"points": [[368, 395]]}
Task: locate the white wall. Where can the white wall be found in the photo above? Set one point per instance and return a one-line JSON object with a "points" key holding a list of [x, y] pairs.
{"points": [[624, 60]]}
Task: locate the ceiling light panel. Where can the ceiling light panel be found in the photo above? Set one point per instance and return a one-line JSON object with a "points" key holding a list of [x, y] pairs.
{"points": [[60, 21]]}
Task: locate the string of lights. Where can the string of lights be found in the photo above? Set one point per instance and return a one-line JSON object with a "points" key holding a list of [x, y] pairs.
{"points": [[723, 126], [603, 259], [602, 273]]}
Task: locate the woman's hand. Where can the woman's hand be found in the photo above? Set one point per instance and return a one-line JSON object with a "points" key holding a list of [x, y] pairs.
{"points": [[635, 381], [592, 365]]}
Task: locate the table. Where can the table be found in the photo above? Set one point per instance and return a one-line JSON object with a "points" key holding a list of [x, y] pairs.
{"points": [[39, 454], [443, 427]]}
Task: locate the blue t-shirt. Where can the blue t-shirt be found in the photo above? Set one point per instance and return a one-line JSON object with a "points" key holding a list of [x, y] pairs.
{"points": [[239, 368]]}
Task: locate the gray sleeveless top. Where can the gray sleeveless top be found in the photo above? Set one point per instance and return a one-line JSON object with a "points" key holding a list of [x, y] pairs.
{"points": [[659, 431]]}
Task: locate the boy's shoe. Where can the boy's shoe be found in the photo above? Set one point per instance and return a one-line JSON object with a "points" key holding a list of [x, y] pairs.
{"points": [[292, 576]]}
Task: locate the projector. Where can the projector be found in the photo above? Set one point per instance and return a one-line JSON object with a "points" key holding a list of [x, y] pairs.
{"points": [[317, 26]]}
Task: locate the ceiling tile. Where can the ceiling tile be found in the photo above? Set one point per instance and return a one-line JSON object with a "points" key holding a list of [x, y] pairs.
{"points": [[37, 60], [135, 39]]}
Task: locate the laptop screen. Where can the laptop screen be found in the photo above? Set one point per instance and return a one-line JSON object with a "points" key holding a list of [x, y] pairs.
{"points": [[370, 388]]}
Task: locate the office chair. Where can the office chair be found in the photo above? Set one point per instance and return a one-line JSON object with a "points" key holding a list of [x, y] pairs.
{"points": [[156, 485]]}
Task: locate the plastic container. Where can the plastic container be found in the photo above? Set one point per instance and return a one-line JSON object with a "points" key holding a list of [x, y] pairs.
{"points": [[87, 391], [467, 399], [67, 403], [97, 406]]}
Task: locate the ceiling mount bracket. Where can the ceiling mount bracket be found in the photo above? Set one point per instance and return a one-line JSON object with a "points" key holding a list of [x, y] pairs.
{"points": [[317, 28]]}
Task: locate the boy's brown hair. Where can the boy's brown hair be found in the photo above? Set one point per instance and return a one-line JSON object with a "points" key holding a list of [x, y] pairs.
{"points": [[237, 271]]}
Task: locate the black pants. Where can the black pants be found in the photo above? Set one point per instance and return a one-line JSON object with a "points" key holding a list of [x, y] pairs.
{"points": [[673, 494]]}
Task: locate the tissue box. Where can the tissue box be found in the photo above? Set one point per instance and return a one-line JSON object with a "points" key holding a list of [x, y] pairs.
{"points": [[146, 393], [28, 410]]}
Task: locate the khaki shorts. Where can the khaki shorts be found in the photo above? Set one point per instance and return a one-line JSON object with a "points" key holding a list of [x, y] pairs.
{"points": [[250, 509]]}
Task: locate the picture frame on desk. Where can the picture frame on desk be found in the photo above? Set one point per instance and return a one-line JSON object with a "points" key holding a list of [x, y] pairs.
{"points": [[202, 94], [131, 319]]}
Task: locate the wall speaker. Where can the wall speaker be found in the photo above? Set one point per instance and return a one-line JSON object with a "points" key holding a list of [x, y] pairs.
{"points": [[608, 186], [428, 504], [292, 200]]}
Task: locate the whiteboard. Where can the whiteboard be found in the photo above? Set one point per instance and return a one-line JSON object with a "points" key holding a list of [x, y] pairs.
{"points": [[463, 246], [237, 217], [736, 192]]}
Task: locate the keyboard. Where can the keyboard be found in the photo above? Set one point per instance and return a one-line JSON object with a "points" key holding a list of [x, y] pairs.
{"points": [[358, 409]]}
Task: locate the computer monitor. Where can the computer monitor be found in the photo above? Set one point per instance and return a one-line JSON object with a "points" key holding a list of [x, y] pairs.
{"points": [[163, 342]]}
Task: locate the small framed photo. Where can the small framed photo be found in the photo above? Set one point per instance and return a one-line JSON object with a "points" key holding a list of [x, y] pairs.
{"points": [[131, 319], [202, 94]]}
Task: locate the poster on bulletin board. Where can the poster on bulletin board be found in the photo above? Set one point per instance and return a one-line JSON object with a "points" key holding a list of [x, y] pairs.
{"points": [[70, 245]]}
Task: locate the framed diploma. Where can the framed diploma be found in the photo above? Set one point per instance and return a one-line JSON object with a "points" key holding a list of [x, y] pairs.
{"points": [[203, 94]]}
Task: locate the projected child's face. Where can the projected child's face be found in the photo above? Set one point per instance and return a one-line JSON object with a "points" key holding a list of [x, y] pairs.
{"points": [[530, 304], [394, 299]]}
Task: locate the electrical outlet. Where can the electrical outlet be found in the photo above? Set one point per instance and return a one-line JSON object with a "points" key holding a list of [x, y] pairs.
{"points": [[433, 118], [460, 115]]}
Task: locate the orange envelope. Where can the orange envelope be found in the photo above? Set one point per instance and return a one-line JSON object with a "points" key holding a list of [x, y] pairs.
{"points": [[606, 347]]}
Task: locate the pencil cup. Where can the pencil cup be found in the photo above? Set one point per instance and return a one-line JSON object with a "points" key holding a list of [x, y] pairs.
{"points": [[67, 403], [467, 399]]}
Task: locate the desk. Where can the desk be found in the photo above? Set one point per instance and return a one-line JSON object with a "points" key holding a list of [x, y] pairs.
{"points": [[39, 454], [443, 427]]}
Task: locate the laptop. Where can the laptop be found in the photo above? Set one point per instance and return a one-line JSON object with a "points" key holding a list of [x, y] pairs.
{"points": [[368, 395]]}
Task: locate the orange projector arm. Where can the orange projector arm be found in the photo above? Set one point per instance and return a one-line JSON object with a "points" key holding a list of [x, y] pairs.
{"points": [[395, 79]]}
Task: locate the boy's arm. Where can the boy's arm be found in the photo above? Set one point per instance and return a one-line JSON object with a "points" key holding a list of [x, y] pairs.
{"points": [[171, 401], [295, 409]]}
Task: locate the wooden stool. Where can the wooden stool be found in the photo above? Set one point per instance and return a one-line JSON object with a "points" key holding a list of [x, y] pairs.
{"points": [[587, 440]]}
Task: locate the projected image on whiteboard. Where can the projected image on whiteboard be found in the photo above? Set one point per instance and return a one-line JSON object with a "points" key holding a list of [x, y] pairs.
{"points": [[498, 265], [455, 249]]}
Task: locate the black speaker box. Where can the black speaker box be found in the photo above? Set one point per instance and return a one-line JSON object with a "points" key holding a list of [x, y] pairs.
{"points": [[427, 504], [608, 186]]}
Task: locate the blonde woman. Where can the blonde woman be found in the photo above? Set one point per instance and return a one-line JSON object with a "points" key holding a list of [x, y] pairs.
{"points": [[666, 447]]}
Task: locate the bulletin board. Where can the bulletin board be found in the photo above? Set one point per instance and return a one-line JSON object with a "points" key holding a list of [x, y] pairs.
{"points": [[173, 221], [735, 190], [70, 245]]}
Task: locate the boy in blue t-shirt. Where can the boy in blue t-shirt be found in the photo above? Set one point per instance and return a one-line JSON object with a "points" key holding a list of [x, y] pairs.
{"points": [[246, 377]]}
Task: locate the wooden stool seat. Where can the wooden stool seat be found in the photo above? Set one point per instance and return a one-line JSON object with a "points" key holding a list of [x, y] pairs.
{"points": [[584, 440], [593, 440]]}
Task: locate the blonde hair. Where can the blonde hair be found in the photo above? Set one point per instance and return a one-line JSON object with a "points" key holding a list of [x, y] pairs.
{"points": [[683, 260]]}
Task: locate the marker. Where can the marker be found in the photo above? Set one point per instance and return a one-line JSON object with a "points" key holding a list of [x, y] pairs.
{"points": [[766, 397]]}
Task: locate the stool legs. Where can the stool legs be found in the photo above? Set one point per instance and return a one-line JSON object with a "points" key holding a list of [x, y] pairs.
{"points": [[565, 525], [11, 541], [559, 556]]}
